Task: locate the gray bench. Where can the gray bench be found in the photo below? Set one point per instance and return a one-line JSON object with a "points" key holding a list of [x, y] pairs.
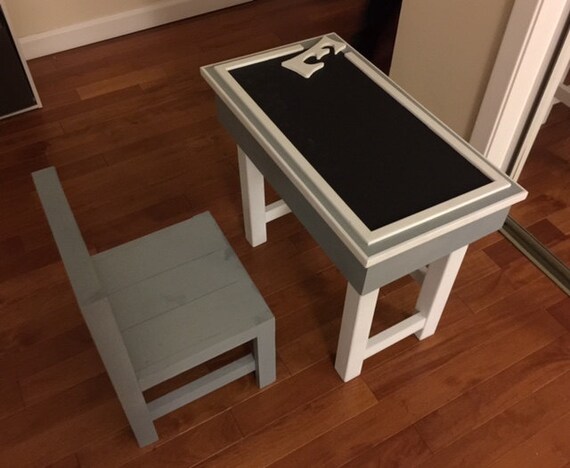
{"points": [[162, 304]]}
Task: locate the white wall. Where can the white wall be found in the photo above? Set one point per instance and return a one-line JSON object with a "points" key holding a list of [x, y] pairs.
{"points": [[49, 26], [38, 16], [444, 54]]}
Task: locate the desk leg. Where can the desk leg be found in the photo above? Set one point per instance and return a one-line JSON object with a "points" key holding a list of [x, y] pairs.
{"points": [[253, 200], [435, 290], [355, 343], [354, 332]]}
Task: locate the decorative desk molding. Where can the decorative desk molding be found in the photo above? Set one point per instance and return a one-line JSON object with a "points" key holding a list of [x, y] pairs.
{"points": [[370, 247], [299, 63], [108, 27]]}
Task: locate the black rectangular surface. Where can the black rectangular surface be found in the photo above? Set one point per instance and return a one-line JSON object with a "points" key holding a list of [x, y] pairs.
{"points": [[15, 90], [375, 154]]}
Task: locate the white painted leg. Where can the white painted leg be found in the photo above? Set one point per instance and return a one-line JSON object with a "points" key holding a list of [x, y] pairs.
{"points": [[354, 332], [253, 200], [435, 290]]}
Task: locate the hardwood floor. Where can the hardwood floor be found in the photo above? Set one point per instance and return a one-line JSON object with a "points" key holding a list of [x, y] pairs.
{"points": [[131, 127]]}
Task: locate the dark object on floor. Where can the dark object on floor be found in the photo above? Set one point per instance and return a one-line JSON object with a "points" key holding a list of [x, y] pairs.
{"points": [[377, 34]]}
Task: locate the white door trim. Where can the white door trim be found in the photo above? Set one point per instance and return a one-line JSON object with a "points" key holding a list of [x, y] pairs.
{"points": [[552, 89], [529, 42]]}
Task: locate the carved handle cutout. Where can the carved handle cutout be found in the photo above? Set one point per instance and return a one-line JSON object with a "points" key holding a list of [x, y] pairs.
{"points": [[318, 51]]}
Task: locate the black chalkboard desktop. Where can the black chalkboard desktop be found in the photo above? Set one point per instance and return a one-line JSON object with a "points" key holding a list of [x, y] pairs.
{"points": [[383, 186], [372, 154]]}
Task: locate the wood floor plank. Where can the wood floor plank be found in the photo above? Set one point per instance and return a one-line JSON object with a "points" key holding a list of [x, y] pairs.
{"points": [[404, 449], [551, 181], [284, 397], [313, 345], [37, 418], [283, 273], [546, 232], [561, 312], [289, 300], [561, 219], [46, 131], [509, 429], [503, 253], [548, 448], [297, 428], [541, 158], [62, 376], [490, 398], [19, 287], [70, 461], [119, 447], [25, 362], [486, 290], [348, 440], [132, 78], [477, 263], [36, 325], [193, 446], [460, 337], [46, 432], [535, 208], [540, 293], [429, 391], [309, 318], [522, 272], [12, 400], [59, 441]]}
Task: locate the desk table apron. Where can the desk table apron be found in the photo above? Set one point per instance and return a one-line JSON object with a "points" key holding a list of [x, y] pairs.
{"points": [[363, 279]]}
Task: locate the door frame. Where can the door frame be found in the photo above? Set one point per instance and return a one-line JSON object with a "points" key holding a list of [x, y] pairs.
{"points": [[543, 105], [524, 58], [530, 66]]}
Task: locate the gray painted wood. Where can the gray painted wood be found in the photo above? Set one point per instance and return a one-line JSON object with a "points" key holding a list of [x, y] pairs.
{"points": [[160, 251], [108, 340], [195, 327], [175, 288], [264, 352], [202, 386], [162, 304], [76, 258]]}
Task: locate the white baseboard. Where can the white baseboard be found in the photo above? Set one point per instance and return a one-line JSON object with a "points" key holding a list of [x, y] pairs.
{"points": [[107, 27]]}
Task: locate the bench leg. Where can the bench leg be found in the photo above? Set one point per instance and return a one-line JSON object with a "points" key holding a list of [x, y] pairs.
{"points": [[253, 200], [354, 332], [264, 353], [435, 290], [114, 354]]}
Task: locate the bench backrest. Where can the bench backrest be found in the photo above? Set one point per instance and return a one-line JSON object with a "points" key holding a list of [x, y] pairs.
{"points": [[76, 259]]}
